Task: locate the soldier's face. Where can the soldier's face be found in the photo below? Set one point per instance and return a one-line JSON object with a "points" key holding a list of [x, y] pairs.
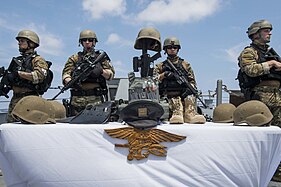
{"points": [[22, 42], [172, 50], [88, 43], [265, 35]]}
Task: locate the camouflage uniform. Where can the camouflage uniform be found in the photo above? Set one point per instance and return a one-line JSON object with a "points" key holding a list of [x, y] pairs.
{"points": [[266, 91], [31, 64], [79, 101], [263, 82]]}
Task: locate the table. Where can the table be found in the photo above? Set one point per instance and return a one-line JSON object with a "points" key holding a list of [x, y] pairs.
{"points": [[72, 155]]}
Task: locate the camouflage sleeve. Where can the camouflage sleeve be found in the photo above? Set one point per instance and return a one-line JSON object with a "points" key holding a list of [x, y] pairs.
{"points": [[69, 67], [158, 69], [40, 67], [106, 65], [190, 74], [248, 63]]}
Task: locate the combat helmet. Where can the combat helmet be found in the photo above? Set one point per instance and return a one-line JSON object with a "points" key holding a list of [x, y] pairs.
{"points": [[87, 34], [151, 36], [35, 110], [257, 25], [173, 41], [30, 35], [254, 113], [223, 113], [60, 111]]}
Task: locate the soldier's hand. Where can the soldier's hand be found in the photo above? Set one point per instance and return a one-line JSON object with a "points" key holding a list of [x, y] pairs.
{"points": [[168, 74], [97, 71]]}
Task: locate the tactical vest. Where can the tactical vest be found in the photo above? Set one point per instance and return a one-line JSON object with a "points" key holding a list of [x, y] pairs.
{"points": [[100, 80], [24, 63], [171, 84], [246, 82]]}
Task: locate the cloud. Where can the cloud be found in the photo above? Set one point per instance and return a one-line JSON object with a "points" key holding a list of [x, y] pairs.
{"points": [[177, 11], [114, 38], [233, 52], [100, 8]]}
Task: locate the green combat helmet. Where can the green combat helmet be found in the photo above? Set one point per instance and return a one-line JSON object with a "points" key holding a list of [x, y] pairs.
{"points": [[256, 26], [254, 113], [223, 113], [35, 110], [150, 38], [30, 35], [87, 34], [171, 41]]}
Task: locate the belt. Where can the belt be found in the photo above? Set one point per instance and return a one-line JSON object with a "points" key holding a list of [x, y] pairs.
{"points": [[271, 83], [23, 94], [92, 92]]}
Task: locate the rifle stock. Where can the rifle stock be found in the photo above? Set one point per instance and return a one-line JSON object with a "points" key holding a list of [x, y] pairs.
{"points": [[4, 84]]}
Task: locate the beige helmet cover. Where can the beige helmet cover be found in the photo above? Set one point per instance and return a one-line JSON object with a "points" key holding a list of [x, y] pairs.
{"points": [[35, 110], [60, 111], [254, 113], [223, 113]]}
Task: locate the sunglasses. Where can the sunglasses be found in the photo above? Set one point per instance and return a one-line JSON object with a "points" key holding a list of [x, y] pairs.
{"points": [[172, 47], [87, 39]]}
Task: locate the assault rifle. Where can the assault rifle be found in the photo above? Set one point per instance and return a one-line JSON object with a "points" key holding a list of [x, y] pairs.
{"points": [[180, 75], [87, 65], [4, 84]]}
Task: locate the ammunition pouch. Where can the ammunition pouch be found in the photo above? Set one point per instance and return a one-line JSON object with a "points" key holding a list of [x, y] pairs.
{"points": [[93, 92]]}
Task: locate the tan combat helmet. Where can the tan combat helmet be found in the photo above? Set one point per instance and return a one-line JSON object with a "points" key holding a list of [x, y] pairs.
{"points": [[254, 113], [223, 113], [35, 110], [30, 35], [152, 36], [171, 41], [60, 111], [257, 25], [87, 34]]}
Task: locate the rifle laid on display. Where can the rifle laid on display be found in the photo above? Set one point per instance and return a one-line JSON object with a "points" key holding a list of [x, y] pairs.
{"points": [[85, 69], [180, 75]]}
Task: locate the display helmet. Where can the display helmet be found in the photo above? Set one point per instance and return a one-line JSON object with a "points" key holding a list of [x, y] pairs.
{"points": [[254, 113], [60, 111], [30, 35], [35, 110], [223, 113], [148, 38], [171, 41], [257, 25], [87, 34]]}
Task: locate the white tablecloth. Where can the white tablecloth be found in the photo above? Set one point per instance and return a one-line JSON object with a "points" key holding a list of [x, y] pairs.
{"points": [[64, 155]]}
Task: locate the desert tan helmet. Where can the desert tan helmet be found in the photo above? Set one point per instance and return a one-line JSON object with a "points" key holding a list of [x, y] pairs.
{"points": [[257, 25], [171, 41], [60, 111], [149, 38], [223, 113], [254, 113], [30, 35], [34, 110], [87, 34]]}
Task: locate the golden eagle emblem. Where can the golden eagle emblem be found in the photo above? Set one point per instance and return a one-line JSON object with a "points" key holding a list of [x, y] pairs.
{"points": [[141, 143]]}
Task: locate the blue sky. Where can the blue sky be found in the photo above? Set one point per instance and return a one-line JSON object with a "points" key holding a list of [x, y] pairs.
{"points": [[212, 32]]}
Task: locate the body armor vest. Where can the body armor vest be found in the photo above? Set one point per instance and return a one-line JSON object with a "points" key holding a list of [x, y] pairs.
{"points": [[246, 81], [171, 84], [90, 79]]}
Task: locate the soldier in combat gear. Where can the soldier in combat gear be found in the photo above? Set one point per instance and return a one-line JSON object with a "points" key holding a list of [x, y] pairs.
{"points": [[94, 89], [259, 75], [27, 71], [183, 108]]}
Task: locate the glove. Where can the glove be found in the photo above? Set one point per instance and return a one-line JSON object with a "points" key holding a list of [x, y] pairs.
{"points": [[168, 74], [12, 77], [97, 71]]}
